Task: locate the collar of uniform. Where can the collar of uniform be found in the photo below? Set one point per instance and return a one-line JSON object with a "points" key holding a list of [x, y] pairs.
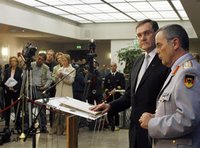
{"points": [[113, 73], [181, 60]]}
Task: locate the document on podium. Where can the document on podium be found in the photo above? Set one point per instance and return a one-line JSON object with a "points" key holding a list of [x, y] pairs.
{"points": [[73, 106]]}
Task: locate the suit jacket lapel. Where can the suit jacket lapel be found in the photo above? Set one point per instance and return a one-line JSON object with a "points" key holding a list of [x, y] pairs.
{"points": [[136, 71], [150, 69]]}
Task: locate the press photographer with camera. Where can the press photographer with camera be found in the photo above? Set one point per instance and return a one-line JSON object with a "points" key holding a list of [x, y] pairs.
{"points": [[41, 79], [93, 79]]}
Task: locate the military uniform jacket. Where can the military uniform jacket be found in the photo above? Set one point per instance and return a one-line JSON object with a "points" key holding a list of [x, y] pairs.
{"points": [[114, 82], [177, 117]]}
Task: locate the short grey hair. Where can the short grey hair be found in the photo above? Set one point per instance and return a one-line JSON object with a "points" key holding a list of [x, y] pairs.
{"points": [[176, 31]]}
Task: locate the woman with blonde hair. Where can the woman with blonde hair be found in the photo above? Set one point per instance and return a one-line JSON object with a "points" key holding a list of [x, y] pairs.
{"points": [[58, 58], [11, 90], [63, 89]]}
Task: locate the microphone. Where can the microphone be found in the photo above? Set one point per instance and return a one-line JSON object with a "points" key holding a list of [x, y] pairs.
{"points": [[44, 92]]}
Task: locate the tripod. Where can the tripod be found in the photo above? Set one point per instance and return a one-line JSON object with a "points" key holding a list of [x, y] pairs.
{"points": [[26, 93]]}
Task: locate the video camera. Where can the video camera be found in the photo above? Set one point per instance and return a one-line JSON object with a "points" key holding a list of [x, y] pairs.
{"points": [[28, 52], [91, 54]]}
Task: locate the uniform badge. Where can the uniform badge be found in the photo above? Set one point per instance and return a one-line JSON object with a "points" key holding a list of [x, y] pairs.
{"points": [[189, 81], [187, 64]]}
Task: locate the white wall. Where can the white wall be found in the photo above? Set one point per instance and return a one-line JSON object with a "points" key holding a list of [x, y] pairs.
{"points": [[16, 45], [116, 45], [34, 19]]}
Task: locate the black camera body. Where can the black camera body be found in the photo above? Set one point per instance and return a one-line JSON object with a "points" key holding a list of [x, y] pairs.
{"points": [[91, 55], [28, 52]]}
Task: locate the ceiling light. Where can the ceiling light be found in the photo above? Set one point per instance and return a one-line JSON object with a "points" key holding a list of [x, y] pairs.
{"points": [[52, 10], [30, 2], [4, 51], [142, 6]]}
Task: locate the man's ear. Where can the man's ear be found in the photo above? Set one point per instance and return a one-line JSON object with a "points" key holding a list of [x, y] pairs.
{"points": [[176, 43]]}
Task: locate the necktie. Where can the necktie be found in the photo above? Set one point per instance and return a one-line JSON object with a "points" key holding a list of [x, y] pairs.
{"points": [[143, 69]]}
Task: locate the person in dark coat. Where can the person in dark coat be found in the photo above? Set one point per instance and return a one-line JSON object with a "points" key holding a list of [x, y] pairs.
{"points": [[12, 91], [79, 84], [51, 63], [146, 79]]}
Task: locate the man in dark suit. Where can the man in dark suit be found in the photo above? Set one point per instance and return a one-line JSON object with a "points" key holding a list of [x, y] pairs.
{"points": [[146, 79], [113, 81]]}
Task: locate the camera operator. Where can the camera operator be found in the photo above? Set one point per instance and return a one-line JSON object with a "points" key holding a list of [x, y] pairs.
{"points": [[41, 77], [94, 80]]}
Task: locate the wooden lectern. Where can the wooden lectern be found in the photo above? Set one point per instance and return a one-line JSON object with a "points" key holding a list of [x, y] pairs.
{"points": [[71, 131], [73, 108]]}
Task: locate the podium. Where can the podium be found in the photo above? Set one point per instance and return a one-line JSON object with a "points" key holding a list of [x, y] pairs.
{"points": [[71, 131], [72, 108]]}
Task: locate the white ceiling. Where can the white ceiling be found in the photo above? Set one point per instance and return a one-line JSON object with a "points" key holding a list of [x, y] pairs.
{"points": [[191, 7], [98, 11]]}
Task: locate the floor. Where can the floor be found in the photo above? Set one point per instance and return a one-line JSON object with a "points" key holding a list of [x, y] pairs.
{"points": [[86, 139]]}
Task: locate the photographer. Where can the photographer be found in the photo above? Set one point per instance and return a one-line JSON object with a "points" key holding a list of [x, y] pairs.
{"points": [[94, 85], [41, 80]]}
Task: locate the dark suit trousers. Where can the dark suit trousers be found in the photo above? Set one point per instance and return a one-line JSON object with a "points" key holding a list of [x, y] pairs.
{"points": [[138, 137]]}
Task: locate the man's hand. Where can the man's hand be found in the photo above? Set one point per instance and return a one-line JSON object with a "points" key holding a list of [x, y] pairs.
{"points": [[101, 107], [144, 119]]}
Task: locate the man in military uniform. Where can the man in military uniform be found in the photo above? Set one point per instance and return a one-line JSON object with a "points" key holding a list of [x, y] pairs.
{"points": [[113, 81], [176, 121]]}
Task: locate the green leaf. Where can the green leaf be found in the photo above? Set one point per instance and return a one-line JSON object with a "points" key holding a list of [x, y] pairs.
{"points": [[128, 55]]}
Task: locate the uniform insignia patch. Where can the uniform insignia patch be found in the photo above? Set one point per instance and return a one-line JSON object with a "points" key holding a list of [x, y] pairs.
{"points": [[187, 64], [189, 81]]}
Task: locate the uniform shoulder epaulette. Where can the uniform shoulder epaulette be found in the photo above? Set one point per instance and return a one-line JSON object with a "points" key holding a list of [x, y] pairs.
{"points": [[187, 64]]}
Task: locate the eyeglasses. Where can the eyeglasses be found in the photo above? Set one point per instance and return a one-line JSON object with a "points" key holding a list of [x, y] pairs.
{"points": [[145, 33]]}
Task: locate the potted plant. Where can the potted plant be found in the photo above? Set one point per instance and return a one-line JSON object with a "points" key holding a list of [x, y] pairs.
{"points": [[128, 55]]}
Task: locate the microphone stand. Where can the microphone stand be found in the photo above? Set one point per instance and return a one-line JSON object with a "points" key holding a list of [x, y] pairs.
{"points": [[49, 88], [33, 128]]}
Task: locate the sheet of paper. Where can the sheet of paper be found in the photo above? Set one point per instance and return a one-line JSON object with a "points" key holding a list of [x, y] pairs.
{"points": [[10, 82], [73, 106]]}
